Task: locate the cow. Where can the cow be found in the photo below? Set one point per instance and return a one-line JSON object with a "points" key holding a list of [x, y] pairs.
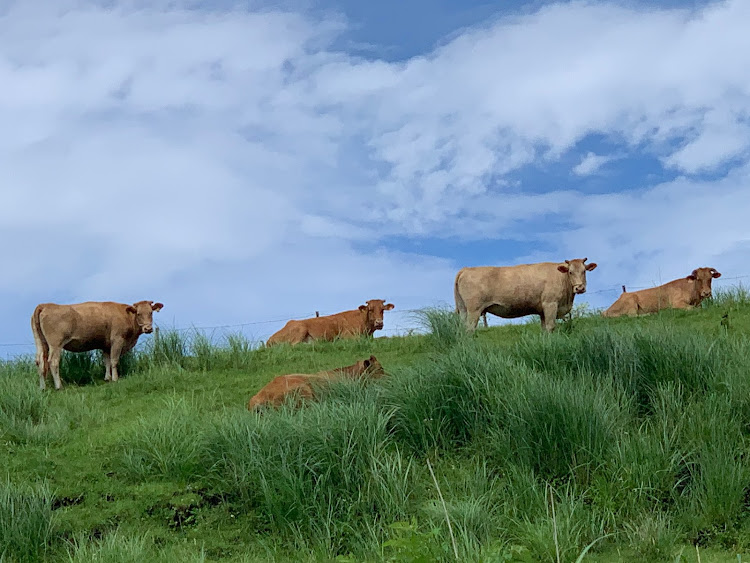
{"points": [[682, 293], [302, 385], [546, 289], [349, 324], [111, 327]]}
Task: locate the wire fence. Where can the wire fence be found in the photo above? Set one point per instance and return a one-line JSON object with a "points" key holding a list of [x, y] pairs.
{"points": [[407, 329]]}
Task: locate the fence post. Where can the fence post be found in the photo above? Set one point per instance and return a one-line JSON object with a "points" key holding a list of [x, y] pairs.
{"points": [[484, 319], [623, 289], [317, 313]]}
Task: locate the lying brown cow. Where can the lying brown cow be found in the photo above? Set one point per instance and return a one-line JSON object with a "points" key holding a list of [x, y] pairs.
{"points": [[302, 386], [349, 324], [546, 289], [683, 293], [111, 327]]}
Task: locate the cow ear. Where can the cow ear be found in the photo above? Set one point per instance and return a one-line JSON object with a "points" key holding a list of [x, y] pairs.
{"points": [[157, 306], [716, 274], [388, 306], [563, 268], [131, 309], [362, 308], [591, 266], [693, 275]]}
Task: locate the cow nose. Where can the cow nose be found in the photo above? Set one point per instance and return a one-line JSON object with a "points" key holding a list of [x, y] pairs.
{"points": [[579, 289], [148, 329], [378, 324]]}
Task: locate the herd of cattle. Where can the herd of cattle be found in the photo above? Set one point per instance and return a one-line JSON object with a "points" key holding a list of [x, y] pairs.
{"points": [[546, 289]]}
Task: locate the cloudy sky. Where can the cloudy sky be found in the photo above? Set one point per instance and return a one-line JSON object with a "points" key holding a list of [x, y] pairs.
{"points": [[245, 162]]}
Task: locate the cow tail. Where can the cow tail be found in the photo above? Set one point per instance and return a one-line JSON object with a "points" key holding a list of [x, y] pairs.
{"points": [[460, 305], [42, 348]]}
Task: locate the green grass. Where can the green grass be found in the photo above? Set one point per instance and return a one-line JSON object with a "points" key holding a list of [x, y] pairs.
{"points": [[624, 439]]}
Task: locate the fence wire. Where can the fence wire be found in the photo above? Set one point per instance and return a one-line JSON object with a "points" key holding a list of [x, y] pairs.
{"points": [[388, 329]]}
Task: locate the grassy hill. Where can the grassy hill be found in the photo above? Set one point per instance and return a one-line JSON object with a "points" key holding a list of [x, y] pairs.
{"points": [[628, 437]]}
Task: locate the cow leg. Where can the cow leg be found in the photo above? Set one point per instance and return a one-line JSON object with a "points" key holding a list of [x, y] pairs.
{"points": [[549, 315], [107, 366], [42, 367], [114, 359], [472, 319], [299, 334], [54, 365]]}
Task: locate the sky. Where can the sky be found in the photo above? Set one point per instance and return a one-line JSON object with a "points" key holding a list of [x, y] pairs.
{"points": [[245, 163]]}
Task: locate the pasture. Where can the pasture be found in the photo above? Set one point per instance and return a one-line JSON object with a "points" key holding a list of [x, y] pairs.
{"points": [[622, 439]]}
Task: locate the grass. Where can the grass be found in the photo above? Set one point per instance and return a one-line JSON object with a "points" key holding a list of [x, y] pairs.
{"points": [[25, 521], [611, 439]]}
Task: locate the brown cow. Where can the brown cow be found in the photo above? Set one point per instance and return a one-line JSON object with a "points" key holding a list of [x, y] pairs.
{"points": [[303, 385], [546, 289], [349, 324], [683, 293], [111, 327]]}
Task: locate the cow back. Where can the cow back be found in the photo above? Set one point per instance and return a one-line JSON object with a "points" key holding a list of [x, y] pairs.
{"points": [[519, 289]]}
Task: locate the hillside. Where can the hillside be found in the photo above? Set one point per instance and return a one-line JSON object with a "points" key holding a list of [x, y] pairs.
{"points": [[626, 436]]}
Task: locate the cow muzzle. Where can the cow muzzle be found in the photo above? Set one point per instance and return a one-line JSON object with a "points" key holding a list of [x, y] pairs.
{"points": [[705, 294], [578, 289], [378, 325], [148, 329]]}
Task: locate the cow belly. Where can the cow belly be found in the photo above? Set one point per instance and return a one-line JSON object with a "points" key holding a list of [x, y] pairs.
{"points": [[511, 311], [85, 345]]}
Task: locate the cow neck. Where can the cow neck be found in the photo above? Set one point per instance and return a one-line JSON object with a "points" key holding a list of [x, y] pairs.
{"points": [[569, 293], [695, 296], [349, 371], [369, 325]]}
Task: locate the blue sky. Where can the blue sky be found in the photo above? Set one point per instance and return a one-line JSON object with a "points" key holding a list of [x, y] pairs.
{"points": [[257, 163]]}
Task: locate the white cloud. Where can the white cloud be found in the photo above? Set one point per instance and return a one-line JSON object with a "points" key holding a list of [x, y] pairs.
{"points": [[591, 163], [230, 162], [530, 87]]}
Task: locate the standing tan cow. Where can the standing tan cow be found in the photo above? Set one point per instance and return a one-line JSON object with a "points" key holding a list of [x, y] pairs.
{"points": [[350, 324], [303, 385], [546, 289], [683, 293], [111, 327]]}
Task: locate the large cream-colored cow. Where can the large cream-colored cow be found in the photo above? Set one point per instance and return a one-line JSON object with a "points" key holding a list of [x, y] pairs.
{"points": [[546, 289], [111, 327]]}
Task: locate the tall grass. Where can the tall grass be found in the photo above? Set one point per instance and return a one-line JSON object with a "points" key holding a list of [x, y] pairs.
{"points": [[637, 361], [115, 547], [25, 413], [325, 472], [444, 327], [25, 521], [559, 428], [167, 444], [732, 298], [446, 400]]}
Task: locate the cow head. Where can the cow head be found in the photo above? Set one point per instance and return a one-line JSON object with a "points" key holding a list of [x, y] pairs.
{"points": [[576, 270], [372, 368], [373, 313], [144, 314], [702, 278]]}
